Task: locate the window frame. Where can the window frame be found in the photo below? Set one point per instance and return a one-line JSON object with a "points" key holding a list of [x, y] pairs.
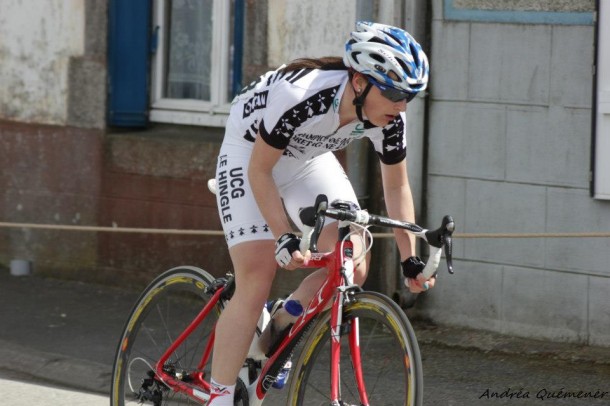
{"points": [[187, 111]]}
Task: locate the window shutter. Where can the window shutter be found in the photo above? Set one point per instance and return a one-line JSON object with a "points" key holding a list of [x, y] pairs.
{"points": [[128, 62]]}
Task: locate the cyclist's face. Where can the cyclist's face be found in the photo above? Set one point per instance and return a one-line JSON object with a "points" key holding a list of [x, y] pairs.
{"points": [[380, 110]]}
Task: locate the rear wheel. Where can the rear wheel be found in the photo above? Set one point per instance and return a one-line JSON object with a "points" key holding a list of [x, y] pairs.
{"points": [[390, 357], [167, 306]]}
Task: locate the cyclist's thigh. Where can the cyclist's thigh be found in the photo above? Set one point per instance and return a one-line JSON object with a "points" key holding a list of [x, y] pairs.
{"points": [[239, 215], [321, 175]]}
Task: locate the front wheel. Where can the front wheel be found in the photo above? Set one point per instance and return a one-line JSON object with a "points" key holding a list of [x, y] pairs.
{"points": [[167, 306], [390, 357]]}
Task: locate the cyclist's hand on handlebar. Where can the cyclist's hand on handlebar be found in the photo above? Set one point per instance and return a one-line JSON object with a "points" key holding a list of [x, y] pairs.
{"points": [[287, 252], [420, 284], [415, 280]]}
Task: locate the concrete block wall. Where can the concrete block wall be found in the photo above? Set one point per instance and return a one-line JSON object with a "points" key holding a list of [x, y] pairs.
{"points": [[510, 144]]}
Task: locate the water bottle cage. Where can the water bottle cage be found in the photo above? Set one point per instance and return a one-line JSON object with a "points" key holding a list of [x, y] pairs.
{"points": [[277, 337]]}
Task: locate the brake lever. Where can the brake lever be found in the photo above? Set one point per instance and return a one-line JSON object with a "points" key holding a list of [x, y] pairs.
{"points": [[313, 219], [442, 238], [449, 226]]}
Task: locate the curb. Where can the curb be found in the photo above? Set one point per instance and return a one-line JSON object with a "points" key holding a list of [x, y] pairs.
{"points": [[485, 341], [57, 369]]}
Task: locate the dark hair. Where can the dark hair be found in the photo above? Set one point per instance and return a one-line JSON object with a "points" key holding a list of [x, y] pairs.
{"points": [[324, 63]]}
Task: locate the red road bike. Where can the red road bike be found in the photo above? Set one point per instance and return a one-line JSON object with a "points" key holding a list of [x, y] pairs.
{"points": [[352, 347]]}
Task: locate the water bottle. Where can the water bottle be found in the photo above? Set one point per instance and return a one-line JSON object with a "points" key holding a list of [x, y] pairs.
{"points": [[279, 325], [256, 349], [277, 328], [293, 310]]}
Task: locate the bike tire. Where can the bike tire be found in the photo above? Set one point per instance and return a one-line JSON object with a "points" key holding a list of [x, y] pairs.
{"points": [[165, 308], [391, 360]]}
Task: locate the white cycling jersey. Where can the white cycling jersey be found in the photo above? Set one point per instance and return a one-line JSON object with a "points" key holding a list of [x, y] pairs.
{"points": [[297, 112]]}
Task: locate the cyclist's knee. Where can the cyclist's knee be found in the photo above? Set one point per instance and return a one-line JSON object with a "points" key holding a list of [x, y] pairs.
{"points": [[253, 284], [254, 267], [360, 271]]}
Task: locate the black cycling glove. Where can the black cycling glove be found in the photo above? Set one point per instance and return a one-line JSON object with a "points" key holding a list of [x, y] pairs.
{"points": [[412, 266], [284, 247]]}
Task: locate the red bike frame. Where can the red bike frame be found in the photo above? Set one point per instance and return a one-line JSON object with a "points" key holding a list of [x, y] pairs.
{"points": [[333, 287]]}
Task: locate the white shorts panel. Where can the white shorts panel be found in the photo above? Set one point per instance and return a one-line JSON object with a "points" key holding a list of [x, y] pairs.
{"points": [[239, 215], [321, 175], [298, 184]]}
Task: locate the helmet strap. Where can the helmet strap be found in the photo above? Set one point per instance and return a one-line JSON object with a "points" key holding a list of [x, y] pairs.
{"points": [[359, 102]]}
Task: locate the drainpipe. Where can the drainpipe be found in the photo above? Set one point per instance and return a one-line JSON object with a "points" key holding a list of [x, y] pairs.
{"points": [[417, 15]]}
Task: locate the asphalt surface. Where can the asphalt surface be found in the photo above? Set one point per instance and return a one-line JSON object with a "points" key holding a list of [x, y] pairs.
{"points": [[58, 339]]}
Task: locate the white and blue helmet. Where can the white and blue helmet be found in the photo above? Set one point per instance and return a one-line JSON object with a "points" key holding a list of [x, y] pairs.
{"points": [[388, 55]]}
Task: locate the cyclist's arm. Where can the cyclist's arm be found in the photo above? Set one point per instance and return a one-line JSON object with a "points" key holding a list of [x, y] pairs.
{"points": [[399, 204], [263, 159]]}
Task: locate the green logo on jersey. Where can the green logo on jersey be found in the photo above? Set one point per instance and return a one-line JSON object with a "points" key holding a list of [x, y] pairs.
{"points": [[335, 104], [359, 130]]}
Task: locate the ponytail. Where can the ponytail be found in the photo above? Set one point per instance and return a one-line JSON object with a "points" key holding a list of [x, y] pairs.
{"points": [[324, 63]]}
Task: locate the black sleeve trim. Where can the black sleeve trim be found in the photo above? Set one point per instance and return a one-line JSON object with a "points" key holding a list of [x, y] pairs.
{"points": [[275, 142], [394, 147], [395, 159]]}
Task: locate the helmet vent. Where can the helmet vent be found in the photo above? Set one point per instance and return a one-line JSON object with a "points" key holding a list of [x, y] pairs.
{"points": [[393, 37], [377, 57], [403, 65], [380, 68], [415, 52], [355, 56], [378, 40], [394, 76]]}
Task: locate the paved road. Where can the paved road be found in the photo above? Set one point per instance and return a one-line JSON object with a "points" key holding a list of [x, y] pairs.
{"points": [[64, 334], [454, 376], [458, 376]]}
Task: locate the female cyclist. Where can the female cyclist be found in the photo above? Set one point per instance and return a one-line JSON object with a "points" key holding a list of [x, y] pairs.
{"points": [[277, 156]]}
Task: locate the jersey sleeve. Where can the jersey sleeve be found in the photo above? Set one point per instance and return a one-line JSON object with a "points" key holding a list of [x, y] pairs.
{"points": [[391, 142]]}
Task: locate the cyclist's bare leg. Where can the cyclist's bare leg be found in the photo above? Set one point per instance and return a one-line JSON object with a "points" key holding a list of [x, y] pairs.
{"points": [[254, 265]]}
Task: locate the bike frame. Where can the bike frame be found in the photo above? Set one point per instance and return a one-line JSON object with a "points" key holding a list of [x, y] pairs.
{"points": [[339, 264]]}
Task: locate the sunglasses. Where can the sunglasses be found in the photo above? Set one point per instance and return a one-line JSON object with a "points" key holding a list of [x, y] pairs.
{"points": [[392, 94]]}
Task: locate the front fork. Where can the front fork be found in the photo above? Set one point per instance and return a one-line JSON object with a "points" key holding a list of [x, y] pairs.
{"points": [[337, 330], [336, 318]]}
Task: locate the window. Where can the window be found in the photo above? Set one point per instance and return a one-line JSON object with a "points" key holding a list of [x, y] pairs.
{"points": [[601, 142], [192, 70]]}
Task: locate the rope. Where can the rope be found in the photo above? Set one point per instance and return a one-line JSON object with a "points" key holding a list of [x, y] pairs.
{"points": [[517, 235], [109, 229], [533, 235], [60, 227]]}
